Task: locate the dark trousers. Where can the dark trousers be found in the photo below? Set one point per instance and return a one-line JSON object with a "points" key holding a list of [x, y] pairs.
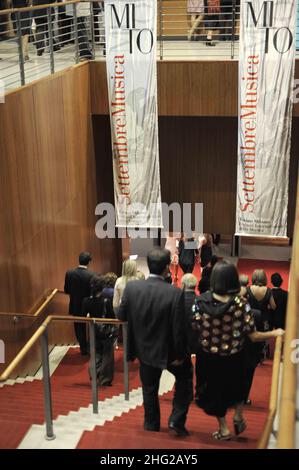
{"points": [[64, 27], [84, 50], [183, 394], [226, 27], [105, 361], [187, 268], [80, 332], [41, 32], [249, 374], [198, 377]]}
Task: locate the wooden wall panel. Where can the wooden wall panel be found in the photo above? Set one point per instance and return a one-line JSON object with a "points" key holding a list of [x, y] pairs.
{"points": [[175, 18], [193, 88], [198, 163], [105, 189], [48, 191], [206, 88]]}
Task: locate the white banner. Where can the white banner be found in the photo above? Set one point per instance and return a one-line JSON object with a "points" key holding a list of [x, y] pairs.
{"points": [[132, 86], [266, 81]]}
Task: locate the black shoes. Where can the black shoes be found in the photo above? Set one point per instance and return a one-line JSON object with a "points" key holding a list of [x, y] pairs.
{"points": [[177, 430], [147, 427]]}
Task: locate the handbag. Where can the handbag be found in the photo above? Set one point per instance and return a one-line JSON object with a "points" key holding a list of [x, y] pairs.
{"points": [[105, 331]]}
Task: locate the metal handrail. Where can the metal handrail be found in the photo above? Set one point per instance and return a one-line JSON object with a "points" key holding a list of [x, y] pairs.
{"points": [[38, 311], [288, 400], [273, 402], [42, 6], [42, 333]]}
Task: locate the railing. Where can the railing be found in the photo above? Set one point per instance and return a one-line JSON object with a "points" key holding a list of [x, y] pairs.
{"points": [[273, 403], [16, 328], [49, 297], [289, 404], [42, 333], [40, 40], [188, 33]]}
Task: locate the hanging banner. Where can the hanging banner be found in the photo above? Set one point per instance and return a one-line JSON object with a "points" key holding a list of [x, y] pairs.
{"points": [[266, 81], [130, 29]]}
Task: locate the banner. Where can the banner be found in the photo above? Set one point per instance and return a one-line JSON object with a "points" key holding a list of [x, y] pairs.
{"points": [[130, 29], [266, 81]]}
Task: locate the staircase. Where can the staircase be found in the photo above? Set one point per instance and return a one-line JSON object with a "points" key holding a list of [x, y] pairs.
{"points": [[119, 422], [126, 431]]}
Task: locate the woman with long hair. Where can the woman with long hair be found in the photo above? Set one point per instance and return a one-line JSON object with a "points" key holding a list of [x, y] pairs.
{"points": [[129, 272]]}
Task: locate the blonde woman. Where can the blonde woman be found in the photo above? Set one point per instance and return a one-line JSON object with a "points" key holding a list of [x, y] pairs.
{"points": [[129, 273], [172, 245]]}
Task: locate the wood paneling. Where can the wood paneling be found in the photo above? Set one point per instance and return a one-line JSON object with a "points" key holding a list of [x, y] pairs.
{"points": [[195, 88], [198, 163], [105, 189], [175, 19], [206, 88], [48, 192]]}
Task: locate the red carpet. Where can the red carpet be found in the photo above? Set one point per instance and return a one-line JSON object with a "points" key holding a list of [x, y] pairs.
{"points": [[22, 405], [126, 432]]}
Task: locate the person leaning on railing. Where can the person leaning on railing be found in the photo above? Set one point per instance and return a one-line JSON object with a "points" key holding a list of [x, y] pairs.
{"points": [[223, 319]]}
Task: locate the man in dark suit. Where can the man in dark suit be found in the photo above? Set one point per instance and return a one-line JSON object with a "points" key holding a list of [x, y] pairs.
{"points": [[157, 336], [77, 285], [280, 297]]}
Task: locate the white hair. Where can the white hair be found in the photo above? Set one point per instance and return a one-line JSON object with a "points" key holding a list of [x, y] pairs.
{"points": [[189, 281]]}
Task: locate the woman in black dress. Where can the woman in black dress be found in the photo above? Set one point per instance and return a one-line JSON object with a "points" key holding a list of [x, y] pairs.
{"points": [[206, 251], [25, 25], [223, 319], [260, 298], [99, 306], [187, 252]]}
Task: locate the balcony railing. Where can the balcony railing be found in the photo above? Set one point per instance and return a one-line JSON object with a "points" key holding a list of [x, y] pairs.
{"points": [[40, 40]]}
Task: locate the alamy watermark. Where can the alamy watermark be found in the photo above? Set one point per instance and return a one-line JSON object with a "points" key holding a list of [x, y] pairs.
{"points": [[2, 90], [295, 96], [138, 221], [295, 352], [2, 352]]}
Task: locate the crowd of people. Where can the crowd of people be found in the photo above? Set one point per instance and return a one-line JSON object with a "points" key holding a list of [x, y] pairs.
{"points": [[226, 328], [54, 24], [210, 19]]}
